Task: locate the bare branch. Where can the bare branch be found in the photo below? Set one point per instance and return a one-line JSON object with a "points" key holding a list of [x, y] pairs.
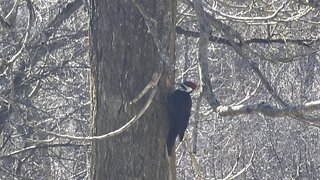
{"points": [[13, 13], [222, 40], [39, 146], [64, 14], [195, 163], [272, 16], [24, 41], [113, 133], [269, 110], [233, 36], [153, 83], [203, 54], [230, 176]]}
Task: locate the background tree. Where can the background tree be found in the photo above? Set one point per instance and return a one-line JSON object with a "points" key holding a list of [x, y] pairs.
{"points": [[43, 77]]}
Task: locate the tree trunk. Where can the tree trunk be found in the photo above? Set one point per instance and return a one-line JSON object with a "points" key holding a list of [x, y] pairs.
{"points": [[123, 60]]}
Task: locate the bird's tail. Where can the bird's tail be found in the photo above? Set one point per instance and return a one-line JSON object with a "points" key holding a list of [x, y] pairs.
{"points": [[171, 140]]}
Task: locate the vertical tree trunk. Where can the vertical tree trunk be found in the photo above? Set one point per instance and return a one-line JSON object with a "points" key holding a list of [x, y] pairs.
{"points": [[123, 60]]}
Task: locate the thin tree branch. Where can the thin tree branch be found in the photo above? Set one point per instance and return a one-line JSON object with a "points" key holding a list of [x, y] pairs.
{"points": [[13, 13], [113, 133], [153, 83], [233, 36], [230, 176], [64, 14], [39, 146], [222, 40], [272, 16], [24, 41]]}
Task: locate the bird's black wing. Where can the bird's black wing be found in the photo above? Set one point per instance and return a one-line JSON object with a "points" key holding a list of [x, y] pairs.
{"points": [[179, 107]]}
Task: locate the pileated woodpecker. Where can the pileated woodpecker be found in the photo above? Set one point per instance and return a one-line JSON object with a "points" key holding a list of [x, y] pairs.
{"points": [[179, 108]]}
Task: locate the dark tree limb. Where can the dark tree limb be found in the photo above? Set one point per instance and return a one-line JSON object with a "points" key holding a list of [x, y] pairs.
{"points": [[222, 40], [244, 51]]}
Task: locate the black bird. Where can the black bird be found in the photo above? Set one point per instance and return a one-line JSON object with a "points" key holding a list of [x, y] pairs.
{"points": [[179, 109]]}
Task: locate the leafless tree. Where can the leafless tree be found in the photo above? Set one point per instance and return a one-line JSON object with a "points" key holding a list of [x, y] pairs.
{"points": [[256, 115], [43, 75]]}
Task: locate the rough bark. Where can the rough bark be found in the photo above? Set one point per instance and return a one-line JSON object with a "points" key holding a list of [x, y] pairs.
{"points": [[123, 60]]}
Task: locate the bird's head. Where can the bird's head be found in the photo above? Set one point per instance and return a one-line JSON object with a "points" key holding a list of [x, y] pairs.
{"points": [[187, 86]]}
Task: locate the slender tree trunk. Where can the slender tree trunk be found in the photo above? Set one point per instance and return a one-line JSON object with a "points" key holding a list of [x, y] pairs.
{"points": [[123, 60]]}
